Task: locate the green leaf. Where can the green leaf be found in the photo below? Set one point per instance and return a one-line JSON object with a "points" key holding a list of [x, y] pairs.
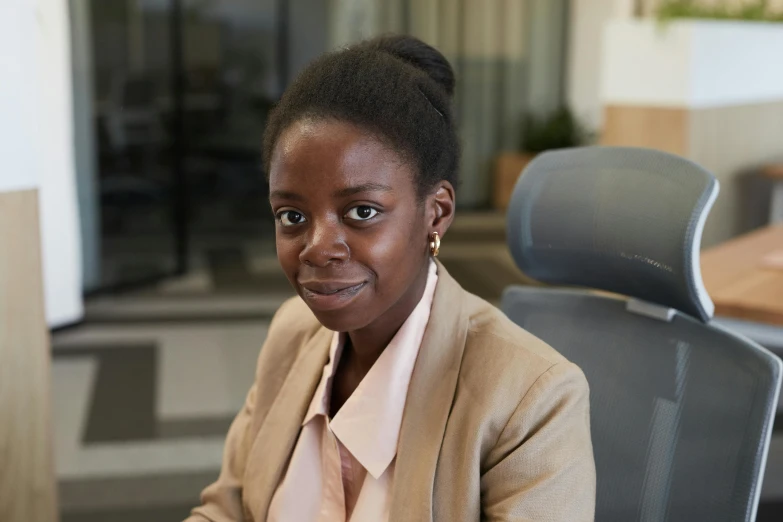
{"points": [[557, 130], [757, 10]]}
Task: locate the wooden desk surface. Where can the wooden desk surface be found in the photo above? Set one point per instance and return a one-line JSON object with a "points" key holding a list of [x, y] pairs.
{"points": [[740, 279]]}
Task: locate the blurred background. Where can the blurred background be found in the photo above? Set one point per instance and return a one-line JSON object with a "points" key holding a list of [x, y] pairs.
{"points": [[143, 135]]}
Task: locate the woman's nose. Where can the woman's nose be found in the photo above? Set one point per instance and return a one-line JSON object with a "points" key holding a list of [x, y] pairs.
{"points": [[325, 244]]}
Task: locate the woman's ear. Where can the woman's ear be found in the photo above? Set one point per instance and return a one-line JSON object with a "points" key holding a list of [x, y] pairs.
{"points": [[441, 204]]}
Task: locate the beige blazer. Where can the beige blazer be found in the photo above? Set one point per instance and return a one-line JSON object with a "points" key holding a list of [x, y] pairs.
{"points": [[496, 423]]}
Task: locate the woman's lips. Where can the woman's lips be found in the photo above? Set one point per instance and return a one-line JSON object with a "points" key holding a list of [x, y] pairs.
{"points": [[330, 295]]}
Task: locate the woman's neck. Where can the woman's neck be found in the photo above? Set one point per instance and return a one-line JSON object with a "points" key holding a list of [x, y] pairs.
{"points": [[367, 344]]}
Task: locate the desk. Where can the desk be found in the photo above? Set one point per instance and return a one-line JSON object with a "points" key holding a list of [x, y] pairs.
{"points": [[748, 299], [741, 280]]}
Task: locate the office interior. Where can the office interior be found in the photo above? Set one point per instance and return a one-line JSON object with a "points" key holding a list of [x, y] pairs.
{"points": [[133, 149]]}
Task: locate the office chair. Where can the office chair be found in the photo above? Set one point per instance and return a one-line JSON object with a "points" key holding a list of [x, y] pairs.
{"points": [[681, 409]]}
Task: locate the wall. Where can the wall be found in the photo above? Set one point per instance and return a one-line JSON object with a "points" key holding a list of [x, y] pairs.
{"points": [[583, 70], [732, 142], [17, 101]]}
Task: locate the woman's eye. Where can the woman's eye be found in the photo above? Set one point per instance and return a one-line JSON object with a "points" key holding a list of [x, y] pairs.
{"points": [[290, 217], [361, 213]]}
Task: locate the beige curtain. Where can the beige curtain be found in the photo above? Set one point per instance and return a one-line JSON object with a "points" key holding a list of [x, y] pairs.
{"points": [[495, 46]]}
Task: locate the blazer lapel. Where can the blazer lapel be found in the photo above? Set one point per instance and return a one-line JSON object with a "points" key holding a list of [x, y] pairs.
{"points": [[430, 396], [275, 440]]}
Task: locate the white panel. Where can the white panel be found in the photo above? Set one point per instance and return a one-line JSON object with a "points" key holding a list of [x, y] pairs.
{"points": [[17, 103], [643, 64], [693, 64], [56, 163], [736, 63]]}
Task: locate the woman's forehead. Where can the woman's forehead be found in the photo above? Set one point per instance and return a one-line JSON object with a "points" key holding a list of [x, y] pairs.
{"points": [[335, 155]]}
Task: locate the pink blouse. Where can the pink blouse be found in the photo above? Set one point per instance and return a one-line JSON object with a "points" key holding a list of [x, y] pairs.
{"points": [[342, 469]]}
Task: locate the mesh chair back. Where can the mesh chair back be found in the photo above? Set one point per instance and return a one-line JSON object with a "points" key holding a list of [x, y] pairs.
{"points": [[620, 219], [681, 410]]}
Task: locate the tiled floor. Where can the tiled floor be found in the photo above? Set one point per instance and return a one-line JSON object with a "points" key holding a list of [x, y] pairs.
{"points": [[141, 412], [145, 389]]}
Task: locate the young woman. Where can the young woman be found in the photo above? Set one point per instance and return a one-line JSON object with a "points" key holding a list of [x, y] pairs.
{"points": [[384, 391]]}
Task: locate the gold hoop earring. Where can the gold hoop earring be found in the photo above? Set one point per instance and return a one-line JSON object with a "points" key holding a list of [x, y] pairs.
{"points": [[435, 244]]}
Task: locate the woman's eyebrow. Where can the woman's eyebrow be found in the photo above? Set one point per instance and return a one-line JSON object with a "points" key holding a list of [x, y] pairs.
{"points": [[365, 187], [285, 194]]}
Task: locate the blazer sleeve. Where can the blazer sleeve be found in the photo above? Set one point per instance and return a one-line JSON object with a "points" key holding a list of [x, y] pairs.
{"points": [[222, 500], [542, 466]]}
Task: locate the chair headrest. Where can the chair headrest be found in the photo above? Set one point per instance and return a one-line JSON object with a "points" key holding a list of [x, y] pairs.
{"points": [[624, 220]]}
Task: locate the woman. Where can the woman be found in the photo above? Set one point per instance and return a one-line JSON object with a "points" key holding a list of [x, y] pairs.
{"points": [[385, 392]]}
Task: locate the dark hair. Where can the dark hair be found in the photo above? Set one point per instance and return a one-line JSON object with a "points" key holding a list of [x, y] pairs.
{"points": [[397, 87]]}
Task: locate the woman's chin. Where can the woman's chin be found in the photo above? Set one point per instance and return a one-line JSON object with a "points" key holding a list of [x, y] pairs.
{"points": [[340, 320]]}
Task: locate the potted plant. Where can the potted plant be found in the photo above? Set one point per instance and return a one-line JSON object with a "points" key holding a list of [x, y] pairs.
{"points": [[557, 130], [755, 11]]}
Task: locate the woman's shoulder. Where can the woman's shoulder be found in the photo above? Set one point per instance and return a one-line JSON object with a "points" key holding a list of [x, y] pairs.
{"points": [[293, 320], [290, 330], [294, 316], [490, 329], [292, 325], [501, 355]]}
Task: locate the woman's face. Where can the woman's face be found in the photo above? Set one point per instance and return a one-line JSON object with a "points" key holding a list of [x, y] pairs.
{"points": [[352, 235]]}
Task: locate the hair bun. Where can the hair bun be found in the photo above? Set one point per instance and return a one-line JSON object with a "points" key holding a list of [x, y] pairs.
{"points": [[420, 55]]}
